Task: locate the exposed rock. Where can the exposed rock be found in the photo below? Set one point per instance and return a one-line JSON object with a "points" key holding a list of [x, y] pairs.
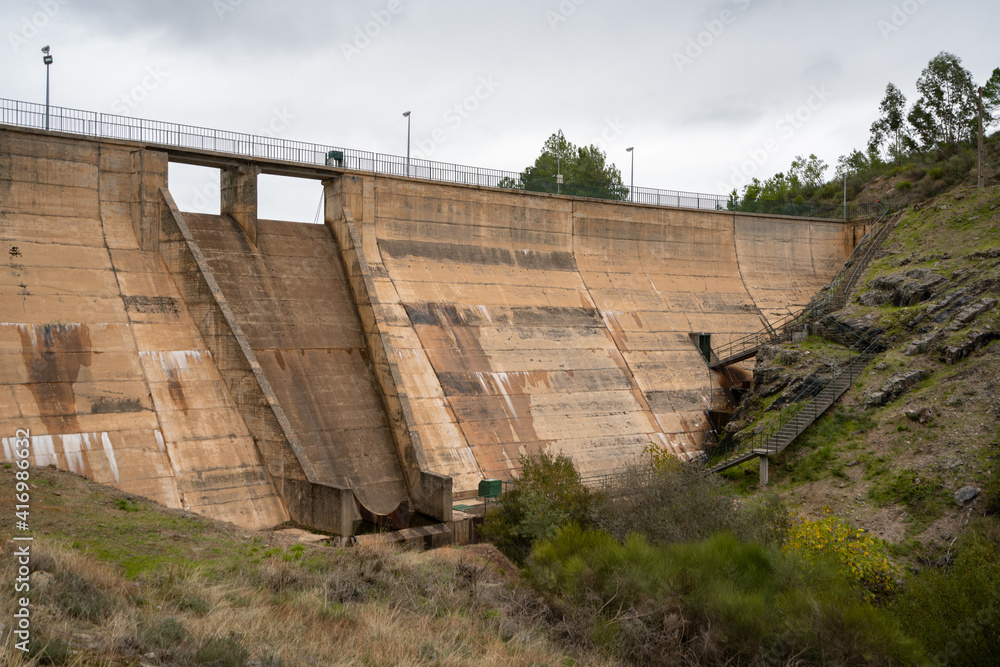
{"points": [[768, 375], [789, 357], [919, 345], [766, 354], [972, 312], [955, 353], [875, 298], [896, 386], [904, 289], [966, 495], [922, 415], [875, 398], [947, 301], [986, 254]]}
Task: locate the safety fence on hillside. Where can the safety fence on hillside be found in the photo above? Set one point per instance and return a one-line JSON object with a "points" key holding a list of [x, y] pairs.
{"points": [[127, 128]]}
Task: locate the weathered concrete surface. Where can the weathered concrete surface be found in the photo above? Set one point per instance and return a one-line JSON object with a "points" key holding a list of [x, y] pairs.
{"points": [[293, 303], [423, 339], [521, 322], [99, 357]]}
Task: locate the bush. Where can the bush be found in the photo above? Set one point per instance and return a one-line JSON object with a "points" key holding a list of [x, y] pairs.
{"points": [[165, 633], [223, 652], [956, 612], [991, 487], [547, 495], [936, 172], [676, 503], [866, 557], [80, 598], [718, 601], [50, 651], [903, 185]]}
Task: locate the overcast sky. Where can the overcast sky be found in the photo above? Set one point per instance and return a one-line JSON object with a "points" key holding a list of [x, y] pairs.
{"points": [[707, 92]]}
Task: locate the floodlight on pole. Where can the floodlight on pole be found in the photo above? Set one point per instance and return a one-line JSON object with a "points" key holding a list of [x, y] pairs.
{"points": [[631, 188], [406, 115], [47, 59]]}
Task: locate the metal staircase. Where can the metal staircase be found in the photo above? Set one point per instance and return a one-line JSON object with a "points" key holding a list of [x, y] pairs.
{"points": [[813, 400], [834, 299], [806, 407]]}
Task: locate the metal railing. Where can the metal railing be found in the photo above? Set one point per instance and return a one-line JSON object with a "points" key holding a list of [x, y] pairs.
{"points": [[833, 299], [800, 413], [161, 133]]}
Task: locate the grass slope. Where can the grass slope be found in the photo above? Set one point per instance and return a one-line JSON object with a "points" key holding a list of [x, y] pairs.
{"points": [[122, 581], [893, 475]]}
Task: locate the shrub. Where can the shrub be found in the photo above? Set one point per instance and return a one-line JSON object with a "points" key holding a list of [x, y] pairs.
{"points": [[936, 172], [50, 651], [956, 612], [547, 495], [864, 556], [991, 487], [223, 652], [903, 185], [676, 503], [80, 598], [164, 633], [717, 601]]}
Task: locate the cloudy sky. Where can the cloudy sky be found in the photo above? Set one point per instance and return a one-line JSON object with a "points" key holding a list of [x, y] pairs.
{"points": [[707, 92]]}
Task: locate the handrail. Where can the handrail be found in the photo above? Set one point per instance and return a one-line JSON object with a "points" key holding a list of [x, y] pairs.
{"points": [[127, 128], [781, 331], [776, 438]]}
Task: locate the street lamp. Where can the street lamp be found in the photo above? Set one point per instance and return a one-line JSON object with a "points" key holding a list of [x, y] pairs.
{"points": [[406, 115], [47, 59], [559, 178], [631, 188]]}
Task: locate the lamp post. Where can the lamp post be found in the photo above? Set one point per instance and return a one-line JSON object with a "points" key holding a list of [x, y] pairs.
{"points": [[47, 59], [559, 178], [631, 187], [406, 115]]}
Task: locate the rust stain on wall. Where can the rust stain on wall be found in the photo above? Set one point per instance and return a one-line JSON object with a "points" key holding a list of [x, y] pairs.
{"points": [[53, 356]]}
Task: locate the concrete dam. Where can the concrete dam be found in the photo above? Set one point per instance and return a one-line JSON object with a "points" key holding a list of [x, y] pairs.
{"points": [[378, 365]]}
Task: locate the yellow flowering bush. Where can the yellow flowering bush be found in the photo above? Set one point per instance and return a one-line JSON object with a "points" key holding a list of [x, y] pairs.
{"points": [[863, 555]]}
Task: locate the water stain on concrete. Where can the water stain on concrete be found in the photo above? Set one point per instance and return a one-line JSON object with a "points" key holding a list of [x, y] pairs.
{"points": [[53, 355], [108, 405]]}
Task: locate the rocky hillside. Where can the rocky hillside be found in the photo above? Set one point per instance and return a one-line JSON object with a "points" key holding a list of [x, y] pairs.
{"points": [[908, 451]]}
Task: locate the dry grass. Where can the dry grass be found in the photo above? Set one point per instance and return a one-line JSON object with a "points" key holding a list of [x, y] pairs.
{"points": [[258, 600]]}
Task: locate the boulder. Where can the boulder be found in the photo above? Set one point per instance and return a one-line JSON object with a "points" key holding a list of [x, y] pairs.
{"points": [[922, 415], [966, 495]]}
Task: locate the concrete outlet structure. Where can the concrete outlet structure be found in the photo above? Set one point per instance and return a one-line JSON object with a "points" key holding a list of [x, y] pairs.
{"points": [[382, 364]]}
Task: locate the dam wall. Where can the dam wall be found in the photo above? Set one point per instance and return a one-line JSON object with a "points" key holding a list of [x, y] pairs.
{"points": [[522, 322], [424, 338], [99, 357]]}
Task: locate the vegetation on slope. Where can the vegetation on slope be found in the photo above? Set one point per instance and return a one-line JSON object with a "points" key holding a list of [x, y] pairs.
{"points": [[121, 581]]}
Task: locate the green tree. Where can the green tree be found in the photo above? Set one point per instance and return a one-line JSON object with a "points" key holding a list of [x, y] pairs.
{"points": [[991, 99], [946, 111], [891, 124], [548, 494], [806, 173], [584, 169], [857, 163]]}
